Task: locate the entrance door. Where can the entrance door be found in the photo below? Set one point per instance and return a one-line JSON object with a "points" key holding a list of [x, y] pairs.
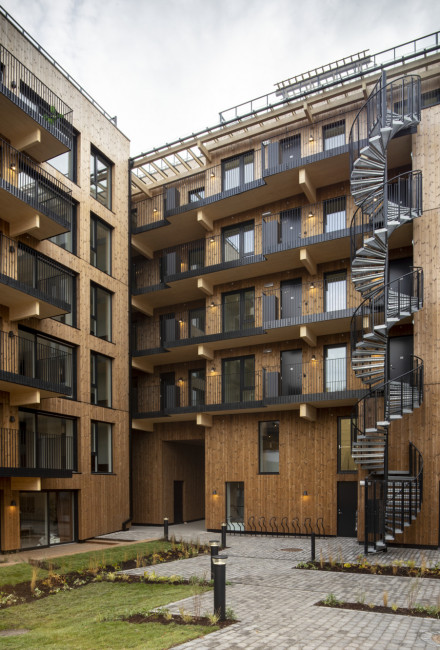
{"points": [[347, 508], [401, 351], [291, 372], [399, 268], [290, 221], [291, 297], [178, 502], [168, 391]]}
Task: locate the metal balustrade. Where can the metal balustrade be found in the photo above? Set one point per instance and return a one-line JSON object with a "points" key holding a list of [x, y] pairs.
{"points": [[24, 89], [29, 453], [31, 363], [21, 177], [32, 272]]}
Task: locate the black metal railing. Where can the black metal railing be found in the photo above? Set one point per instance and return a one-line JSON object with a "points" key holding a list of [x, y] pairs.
{"points": [[32, 272], [401, 198], [387, 105], [45, 453], [25, 90], [27, 181], [32, 363], [275, 526]]}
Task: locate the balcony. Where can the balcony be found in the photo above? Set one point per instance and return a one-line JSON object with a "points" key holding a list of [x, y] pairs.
{"points": [[32, 200], [26, 453], [314, 384], [34, 118], [31, 370], [33, 285]]}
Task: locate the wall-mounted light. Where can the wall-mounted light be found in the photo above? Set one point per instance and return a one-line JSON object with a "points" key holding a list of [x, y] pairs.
{"points": [[305, 493], [180, 321], [212, 175], [212, 304], [214, 492], [13, 84], [311, 215], [313, 357], [13, 504], [13, 166], [268, 285], [212, 240], [268, 351], [311, 138], [180, 380], [312, 285], [11, 418], [266, 214], [154, 210], [212, 368]]}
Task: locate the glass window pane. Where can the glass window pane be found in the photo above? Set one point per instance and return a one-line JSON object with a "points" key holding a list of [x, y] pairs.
{"points": [[248, 240], [235, 505], [61, 528], [336, 291], [196, 322], [231, 238], [248, 161], [346, 462], [334, 135], [269, 447], [33, 519], [335, 214], [335, 368], [197, 387], [231, 314], [231, 174]]}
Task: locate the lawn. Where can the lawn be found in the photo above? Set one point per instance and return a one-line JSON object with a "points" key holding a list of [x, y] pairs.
{"points": [[87, 618]]}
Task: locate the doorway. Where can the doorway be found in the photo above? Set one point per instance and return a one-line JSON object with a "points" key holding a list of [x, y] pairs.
{"points": [[401, 355], [291, 372], [347, 508], [178, 502], [291, 298]]}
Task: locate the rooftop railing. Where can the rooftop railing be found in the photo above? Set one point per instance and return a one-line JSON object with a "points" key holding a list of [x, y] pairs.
{"points": [[30, 453]]}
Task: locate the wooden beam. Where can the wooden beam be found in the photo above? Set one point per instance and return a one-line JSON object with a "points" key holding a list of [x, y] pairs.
{"points": [[306, 260], [142, 364], [28, 483], [196, 158], [204, 420], [204, 221], [141, 248], [31, 140], [25, 309], [205, 352], [140, 185], [364, 90], [204, 150], [142, 306], [27, 225], [159, 170], [139, 425], [306, 334], [24, 397], [205, 286], [308, 112], [308, 412], [306, 185], [183, 162]]}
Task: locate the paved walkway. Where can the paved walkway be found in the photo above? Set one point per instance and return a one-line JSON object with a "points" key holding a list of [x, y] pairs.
{"points": [[275, 604]]}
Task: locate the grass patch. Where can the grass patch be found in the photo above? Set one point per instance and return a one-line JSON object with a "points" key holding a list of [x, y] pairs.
{"points": [[91, 617]]}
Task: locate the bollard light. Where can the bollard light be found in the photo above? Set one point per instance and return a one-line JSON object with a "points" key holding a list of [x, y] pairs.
{"points": [[214, 546], [219, 566], [312, 540], [224, 529], [165, 528]]}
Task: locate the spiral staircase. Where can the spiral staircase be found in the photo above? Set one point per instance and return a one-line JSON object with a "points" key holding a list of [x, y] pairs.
{"points": [[392, 497]]}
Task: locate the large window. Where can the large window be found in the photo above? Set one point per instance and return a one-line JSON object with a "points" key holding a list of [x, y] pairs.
{"points": [[334, 214], [100, 244], [235, 505], [47, 441], [101, 447], [238, 241], [335, 372], [238, 310], [335, 286], [197, 387], [345, 459], [196, 322], [66, 163], [238, 376], [101, 178], [67, 240], [238, 171], [196, 195], [46, 518], [269, 447], [101, 379], [47, 360], [100, 312], [333, 135]]}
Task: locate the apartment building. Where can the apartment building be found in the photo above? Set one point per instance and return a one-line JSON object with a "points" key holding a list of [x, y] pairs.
{"points": [[64, 306], [284, 309]]}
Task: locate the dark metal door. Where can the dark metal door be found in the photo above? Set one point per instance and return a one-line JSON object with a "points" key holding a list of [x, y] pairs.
{"points": [[291, 298], [347, 508], [397, 269], [168, 391], [178, 502], [291, 372], [290, 221], [401, 351]]}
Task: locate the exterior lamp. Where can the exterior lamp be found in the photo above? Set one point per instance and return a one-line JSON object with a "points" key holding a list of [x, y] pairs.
{"points": [[212, 175], [213, 369], [212, 240], [311, 138], [313, 357], [154, 210], [311, 215], [212, 304], [13, 504], [312, 285], [305, 493], [13, 166]]}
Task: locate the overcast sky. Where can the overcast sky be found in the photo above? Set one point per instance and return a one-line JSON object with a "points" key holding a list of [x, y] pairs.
{"points": [[167, 67]]}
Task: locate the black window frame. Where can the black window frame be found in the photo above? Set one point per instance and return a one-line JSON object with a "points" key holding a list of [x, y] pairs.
{"points": [[243, 387], [94, 385], [243, 324], [93, 447], [241, 170], [94, 288], [94, 219], [430, 94], [327, 277], [196, 312], [326, 348], [198, 390], [72, 173], [339, 449], [289, 146], [326, 138], [327, 211], [96, 155], [241, 240], [276, 423], [196, 195], [73, 232]]}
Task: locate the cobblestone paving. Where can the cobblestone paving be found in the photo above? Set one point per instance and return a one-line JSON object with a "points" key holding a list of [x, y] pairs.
{"points": [[275, 603]]}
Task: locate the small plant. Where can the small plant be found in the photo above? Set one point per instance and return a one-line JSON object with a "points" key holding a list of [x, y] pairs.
{"points": [[371, 605], [185, 616], [230, 614], [111, 576], [37, 592], [34, 578], [423, 565], [331, 600], [361, 597], [410, 564], [373, 568], [385, 598], [413, 590], [394, 607], [321, 559], [212, 618], [168, 615]]}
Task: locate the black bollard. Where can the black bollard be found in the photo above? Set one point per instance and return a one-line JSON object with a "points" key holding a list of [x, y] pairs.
{"points": [[165, 528], [213, 543], [219, 565], [312, 539], [224, 527]]}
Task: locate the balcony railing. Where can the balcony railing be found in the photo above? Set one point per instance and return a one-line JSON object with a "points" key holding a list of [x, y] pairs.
{"points": [[24, 89], [32, 272], [28, 453], [38, 365], [27, 181], [322, 380]]}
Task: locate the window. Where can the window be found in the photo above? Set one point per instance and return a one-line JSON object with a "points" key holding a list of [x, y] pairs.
{"points": [[196, 387], [196, 195], [196, 322], [101, 447], [333, 135], [47, 360], [101, 178], [69, 289], [334, 214], [100, 244], [67, 240], [101, 379], [47, 518], [100, 312], [238, 241], [238, 379], [238, 310], [66, 163], [335, 371], [238, 171], [46, 441], [430, 98], [235, 505], [335, 286], [269, 445], [345, 459], [196, 256]]}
